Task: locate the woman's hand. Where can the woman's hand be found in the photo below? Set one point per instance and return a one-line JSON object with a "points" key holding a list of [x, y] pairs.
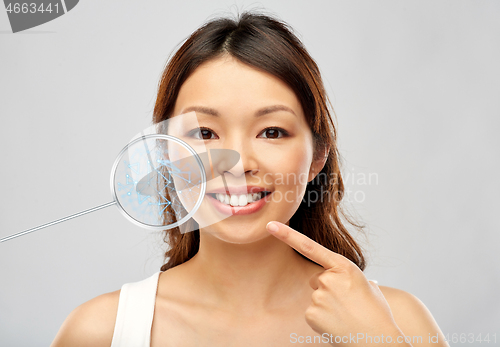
{"points": [[344, 303]]}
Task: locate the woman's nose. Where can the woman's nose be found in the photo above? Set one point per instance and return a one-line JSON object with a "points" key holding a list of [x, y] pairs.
{"points": [[247, 162]]}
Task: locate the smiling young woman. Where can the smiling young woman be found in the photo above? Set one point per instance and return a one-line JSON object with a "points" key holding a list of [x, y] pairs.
{"points": [[245, 281]]}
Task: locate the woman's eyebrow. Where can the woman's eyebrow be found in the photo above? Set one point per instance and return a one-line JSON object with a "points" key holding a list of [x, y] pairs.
{"points": [[263, 111], [274, 108], [202, 109]]}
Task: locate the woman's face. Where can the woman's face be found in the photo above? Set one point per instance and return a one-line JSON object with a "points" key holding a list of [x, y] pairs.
{"points": [[256, 114]]}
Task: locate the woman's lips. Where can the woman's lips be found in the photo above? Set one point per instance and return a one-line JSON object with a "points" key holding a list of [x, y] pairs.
{"points": [[239, 210]]}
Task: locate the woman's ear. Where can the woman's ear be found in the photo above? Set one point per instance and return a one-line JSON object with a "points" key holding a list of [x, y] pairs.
{"points": [[319, 162]]}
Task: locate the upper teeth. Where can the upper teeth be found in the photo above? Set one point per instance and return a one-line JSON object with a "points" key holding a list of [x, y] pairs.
{"points": [[238, 200]]}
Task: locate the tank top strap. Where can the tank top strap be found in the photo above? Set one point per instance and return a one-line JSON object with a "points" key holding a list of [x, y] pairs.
{"points": [[134, 317]]}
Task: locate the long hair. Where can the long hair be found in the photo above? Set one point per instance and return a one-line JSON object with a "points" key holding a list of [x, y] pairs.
{"points": [[269, 45]]}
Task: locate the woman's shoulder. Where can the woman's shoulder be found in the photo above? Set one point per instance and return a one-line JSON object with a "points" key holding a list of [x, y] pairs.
{"points": [[402, 302], [410, 313], [90, 324]]}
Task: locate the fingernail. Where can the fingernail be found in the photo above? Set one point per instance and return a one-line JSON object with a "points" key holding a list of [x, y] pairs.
{"points": [[272, 227]]}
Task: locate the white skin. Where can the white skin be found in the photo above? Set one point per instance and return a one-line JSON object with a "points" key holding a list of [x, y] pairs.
{"points": [[240, 267], [242, 274], [247, 286]]}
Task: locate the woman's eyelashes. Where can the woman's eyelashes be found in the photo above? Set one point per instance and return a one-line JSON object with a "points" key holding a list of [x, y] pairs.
{"points": [[203, 133], [274, 132]]}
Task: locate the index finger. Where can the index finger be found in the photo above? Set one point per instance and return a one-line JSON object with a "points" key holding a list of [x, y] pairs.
{"points": [[305, 246]]}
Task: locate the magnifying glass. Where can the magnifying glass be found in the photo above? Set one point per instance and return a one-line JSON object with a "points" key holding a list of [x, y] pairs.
{"points": [[145, 183], [159, 181]]}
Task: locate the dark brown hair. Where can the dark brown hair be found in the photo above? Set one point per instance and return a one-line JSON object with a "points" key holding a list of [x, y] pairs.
{"points": [[268, 44]]}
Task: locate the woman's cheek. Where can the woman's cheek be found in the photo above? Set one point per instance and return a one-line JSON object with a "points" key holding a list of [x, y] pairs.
{"points": [[290, 191]]}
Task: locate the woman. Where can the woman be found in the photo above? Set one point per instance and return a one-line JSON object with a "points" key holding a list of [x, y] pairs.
{"points": [[288, 272]]}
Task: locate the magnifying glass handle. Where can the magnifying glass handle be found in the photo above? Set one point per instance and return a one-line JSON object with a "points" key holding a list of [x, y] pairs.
{"points": [[57, 221]]}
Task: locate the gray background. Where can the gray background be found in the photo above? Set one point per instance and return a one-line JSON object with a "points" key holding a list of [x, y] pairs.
{"points": [[415, 86]]}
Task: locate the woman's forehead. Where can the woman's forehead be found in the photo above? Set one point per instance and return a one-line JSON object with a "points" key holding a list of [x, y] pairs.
{"points": [[226, 82]]}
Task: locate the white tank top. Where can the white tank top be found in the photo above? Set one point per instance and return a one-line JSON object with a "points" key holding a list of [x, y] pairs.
{"points": [[134, 318]]}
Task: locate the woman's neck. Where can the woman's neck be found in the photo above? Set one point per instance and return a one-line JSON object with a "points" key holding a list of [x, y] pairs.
{"points": [[254, 277]]}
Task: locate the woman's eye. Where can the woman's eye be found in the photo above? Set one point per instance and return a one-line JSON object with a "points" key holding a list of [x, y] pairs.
{"points": [[274, 133], [202, 133], [208, 134]]}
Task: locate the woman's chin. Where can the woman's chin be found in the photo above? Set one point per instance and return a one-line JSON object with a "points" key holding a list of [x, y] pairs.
{"points": [[240, 235]]}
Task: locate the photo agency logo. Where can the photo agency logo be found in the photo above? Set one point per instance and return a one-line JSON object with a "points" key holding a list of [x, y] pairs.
{"points": [[26, 15]]}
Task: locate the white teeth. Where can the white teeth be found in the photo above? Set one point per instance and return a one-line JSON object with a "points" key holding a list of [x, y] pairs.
{"points": [[243, 200], [234, 200], [238, 200]]}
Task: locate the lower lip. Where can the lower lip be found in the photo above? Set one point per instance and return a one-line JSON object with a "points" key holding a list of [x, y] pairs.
{"points": [[239, 210]]}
